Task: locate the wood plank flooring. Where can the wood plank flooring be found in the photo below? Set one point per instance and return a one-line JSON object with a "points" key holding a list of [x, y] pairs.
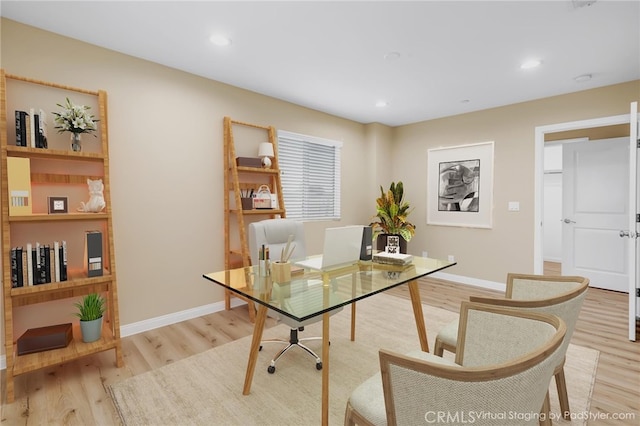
{"points": [[76, 393]]}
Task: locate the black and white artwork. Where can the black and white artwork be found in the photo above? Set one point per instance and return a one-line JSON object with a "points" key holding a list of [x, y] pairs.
{"points": [[460, 185]]}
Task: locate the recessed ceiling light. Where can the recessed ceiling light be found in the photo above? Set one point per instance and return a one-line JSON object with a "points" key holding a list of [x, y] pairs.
{"points": [[392, 56], [382, 104], [532, 63], [582, 78], [220, 40]]}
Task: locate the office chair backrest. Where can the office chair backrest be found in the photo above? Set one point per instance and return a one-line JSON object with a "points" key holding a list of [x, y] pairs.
{"points": [[274, 233]]}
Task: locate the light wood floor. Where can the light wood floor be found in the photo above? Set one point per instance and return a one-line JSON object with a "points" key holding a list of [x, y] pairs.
{"points": [[76, 393]]}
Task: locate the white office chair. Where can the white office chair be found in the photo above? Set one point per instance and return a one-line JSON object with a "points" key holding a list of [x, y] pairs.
{"points": [[274, 233]]}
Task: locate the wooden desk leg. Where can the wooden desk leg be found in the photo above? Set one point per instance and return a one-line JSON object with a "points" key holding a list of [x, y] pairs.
{"points": [[414, 290], [255, 347], [325, 369], [353, 322]]}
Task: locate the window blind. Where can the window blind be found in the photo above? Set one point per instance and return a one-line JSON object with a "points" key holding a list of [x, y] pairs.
{"points": [[310, 174]]}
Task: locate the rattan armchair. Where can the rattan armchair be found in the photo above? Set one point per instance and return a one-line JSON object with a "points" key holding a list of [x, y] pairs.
{"points": [[558, 295], [501, 376]]}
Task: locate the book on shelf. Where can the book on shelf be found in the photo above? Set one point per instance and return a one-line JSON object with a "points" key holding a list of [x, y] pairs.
{"points": [[19, 182], [42, 130], [21, 128], [62, 254], [32, 128], [29, 264], [93, 253], [16, 267], [39, 264]]}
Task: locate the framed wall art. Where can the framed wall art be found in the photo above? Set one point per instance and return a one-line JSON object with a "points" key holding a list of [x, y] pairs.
{"points": [[460, 185]]}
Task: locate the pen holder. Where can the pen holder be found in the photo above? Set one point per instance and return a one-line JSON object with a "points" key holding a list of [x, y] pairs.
{"points": [[280, 272], [247, 203]]}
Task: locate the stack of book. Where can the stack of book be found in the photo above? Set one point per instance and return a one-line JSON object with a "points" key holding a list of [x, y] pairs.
{"points": [[38, 264], [31, 129], [393, 258]]}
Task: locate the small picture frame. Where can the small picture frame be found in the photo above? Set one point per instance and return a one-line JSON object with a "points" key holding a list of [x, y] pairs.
{"points": [[58, 205]]}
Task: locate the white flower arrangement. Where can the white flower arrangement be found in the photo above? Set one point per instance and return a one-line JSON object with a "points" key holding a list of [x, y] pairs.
{"points": [[75, 119]]}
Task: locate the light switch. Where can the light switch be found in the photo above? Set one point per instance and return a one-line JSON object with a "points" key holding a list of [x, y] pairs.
{"points": [[514, 206]]}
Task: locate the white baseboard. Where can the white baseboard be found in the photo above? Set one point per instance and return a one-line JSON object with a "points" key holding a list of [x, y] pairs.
{"points": [[176, 317]]}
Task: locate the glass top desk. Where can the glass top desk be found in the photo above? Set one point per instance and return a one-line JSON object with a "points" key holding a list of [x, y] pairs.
{"points": [[313, 293]]}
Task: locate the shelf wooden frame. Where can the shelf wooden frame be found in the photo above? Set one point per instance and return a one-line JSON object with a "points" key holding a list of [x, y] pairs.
{"points": [[78, 284], [234, 182]]}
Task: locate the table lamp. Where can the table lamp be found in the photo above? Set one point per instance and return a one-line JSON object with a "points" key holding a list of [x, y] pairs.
{"points": [[265, 150]]}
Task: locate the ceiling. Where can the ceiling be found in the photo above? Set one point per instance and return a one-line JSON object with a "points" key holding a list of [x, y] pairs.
{"points": [[426, 59]]}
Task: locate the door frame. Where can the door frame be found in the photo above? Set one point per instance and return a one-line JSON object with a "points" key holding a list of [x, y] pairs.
{"points": [[540, 132], [538, 246]]}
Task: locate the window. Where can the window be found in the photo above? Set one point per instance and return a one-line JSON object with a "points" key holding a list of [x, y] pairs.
{"points": [[310, 170]]}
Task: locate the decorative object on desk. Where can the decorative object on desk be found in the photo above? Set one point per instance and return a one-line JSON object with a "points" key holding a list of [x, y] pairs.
{"points": [[280, 272], [459, 185], [91, 311], [58, 205], [265, 151], [392, 212], [262, 198], [96, 198], [75, 119]]}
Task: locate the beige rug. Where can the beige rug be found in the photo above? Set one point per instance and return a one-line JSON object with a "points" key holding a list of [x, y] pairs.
{"points": [[206, 389]]}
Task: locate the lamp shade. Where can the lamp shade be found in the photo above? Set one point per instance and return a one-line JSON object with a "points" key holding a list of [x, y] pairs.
{"points": [[265, 149]]}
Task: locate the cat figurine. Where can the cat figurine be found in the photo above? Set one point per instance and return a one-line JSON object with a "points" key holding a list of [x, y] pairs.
{"points": [[96, 199]]}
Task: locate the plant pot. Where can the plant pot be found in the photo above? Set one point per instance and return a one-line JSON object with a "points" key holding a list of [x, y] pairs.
{"points": [[382, 242], [91, 330]]}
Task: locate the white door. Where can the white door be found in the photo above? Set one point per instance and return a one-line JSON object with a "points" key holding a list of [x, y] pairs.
{"points": [[596, 208], [631, 231]]}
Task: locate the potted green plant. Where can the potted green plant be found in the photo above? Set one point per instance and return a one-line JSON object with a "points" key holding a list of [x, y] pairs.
{"points": [[392, 211], [90, 312]]}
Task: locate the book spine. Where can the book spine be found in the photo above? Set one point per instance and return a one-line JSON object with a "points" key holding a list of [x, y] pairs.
{"points": [[36, 128], [25, 269], [32, 129], [21, 128], [14, 267], [20, 267], [63, 261], [30, 258], [56, 261], [46, 263]]}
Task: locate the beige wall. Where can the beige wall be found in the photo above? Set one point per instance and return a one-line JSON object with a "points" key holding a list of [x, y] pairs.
{"points": [[166, 155], [488, 254]]}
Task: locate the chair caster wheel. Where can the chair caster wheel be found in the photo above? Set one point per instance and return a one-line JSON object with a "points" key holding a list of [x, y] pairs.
{"points": [[318, 366], [272, 369]]}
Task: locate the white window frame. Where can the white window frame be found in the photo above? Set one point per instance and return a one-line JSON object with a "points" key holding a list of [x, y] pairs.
{"points": [[294, 150]]}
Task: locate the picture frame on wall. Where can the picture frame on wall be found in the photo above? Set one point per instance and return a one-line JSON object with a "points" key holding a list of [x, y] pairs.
{"points": [[460, 185]]}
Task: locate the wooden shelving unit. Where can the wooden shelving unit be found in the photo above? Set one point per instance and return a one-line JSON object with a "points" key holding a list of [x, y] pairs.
{"points": [[239, 178], [58, 169]]}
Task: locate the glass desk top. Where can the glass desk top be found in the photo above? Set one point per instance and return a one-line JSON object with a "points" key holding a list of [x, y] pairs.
{"points": [[312, 293]]}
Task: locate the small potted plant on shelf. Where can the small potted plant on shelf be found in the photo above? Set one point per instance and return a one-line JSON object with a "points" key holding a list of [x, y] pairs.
{"points": [[392, 212], [90, 312]]}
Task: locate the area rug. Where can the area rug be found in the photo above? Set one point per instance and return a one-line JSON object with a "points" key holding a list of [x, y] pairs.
{"points": [[206, 389]]}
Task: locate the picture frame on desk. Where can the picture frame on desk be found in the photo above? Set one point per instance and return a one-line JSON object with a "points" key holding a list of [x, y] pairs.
{"points": [[58, 205]]}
